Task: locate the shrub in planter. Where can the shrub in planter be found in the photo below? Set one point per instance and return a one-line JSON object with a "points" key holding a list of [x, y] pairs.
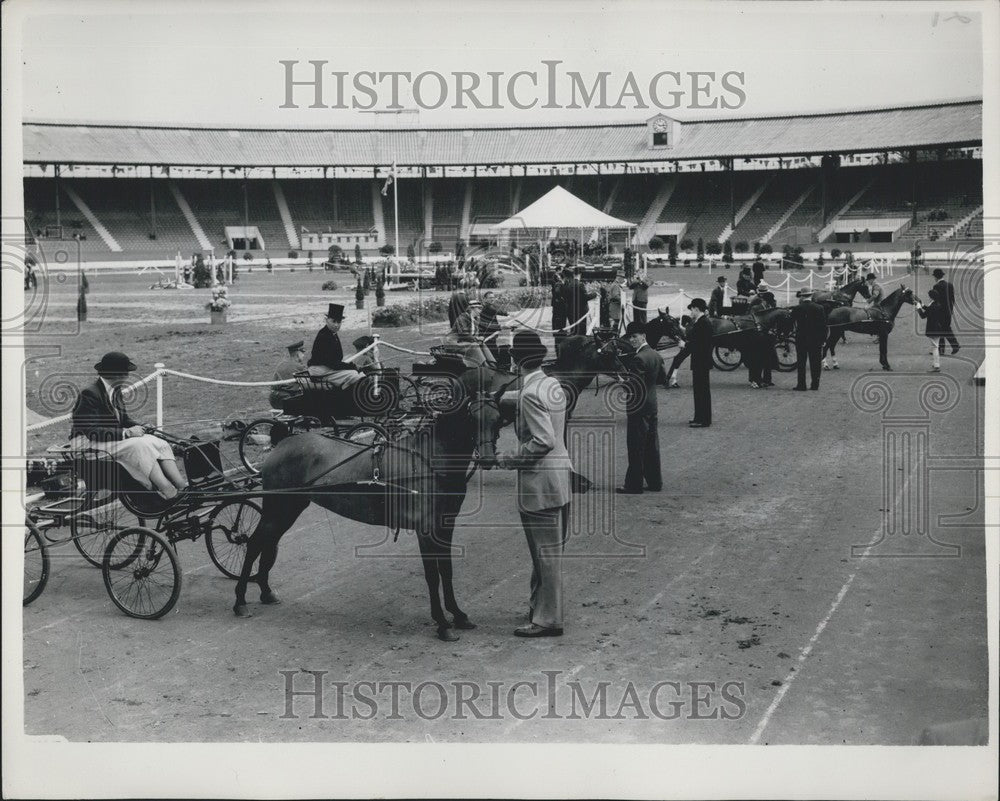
{"points": [[687, 262], [293, 254], [656, 244], [434, 247], [411, 252], [713, 248], [247, 256], [386, 250], [766, 250], [335, 253], [741, 247], [202, 274], [329, 286], [410, 313], [672, 252], [756, 248], [357, 254], [359, 296], [701, 250], [686, 244], [835, 253], [820, 261], [380, 292]]}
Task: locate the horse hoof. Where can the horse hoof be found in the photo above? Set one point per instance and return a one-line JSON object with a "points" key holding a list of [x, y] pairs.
{"points": [[447, 635], [826, 367], [887, 368], [836, 367], [464, 623], [241, 610], [269, 598]]}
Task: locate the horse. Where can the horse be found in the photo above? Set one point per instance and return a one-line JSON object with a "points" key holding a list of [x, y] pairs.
{"points": [[416, 482], [878, 321], [731, 331], [841, 296]]}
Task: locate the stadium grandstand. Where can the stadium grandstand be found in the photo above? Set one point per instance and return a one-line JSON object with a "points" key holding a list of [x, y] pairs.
{"points": [[882, 177]]}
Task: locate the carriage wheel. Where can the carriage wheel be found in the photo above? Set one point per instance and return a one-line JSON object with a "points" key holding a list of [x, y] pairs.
{"points": [[255, 444], [229, 528], [92, 530], [787, 358], [726, 358], [141, 573], [367, 434], [36, 563]]}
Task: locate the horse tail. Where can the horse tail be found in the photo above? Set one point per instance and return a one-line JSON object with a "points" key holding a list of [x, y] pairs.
{"points": [[278, 432]]}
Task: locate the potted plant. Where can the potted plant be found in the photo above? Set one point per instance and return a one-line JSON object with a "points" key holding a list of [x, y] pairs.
{"points": [[81, 305], [672, 251], [700, 253], [359, 296], [656, 244], [380, 292], [357, 253], [218, 305]]}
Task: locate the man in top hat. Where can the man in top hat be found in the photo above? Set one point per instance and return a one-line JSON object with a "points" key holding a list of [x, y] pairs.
{"points": [[699, 344], [944, 294], [327, 357], [543, 481], [294, 362], [717, 300], [642, 434], [810, 334], [101, 422]]}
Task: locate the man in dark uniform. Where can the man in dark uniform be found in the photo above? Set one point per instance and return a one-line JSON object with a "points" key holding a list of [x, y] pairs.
{"points": [[294, 363], [945, 296], [640, 299], [717, 301], [810, 334], [643, 438], [758, 271], [699, 344], [558, 306]]}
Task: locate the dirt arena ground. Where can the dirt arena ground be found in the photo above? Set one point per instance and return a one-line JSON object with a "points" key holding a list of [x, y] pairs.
{"points": [[813, 571]]}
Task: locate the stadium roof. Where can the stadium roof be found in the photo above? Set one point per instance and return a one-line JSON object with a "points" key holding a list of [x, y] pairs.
{"points": [[928, 126]]}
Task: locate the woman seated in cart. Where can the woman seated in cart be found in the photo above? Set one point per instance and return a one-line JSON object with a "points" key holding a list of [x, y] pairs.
{"points": [[101, 422]]}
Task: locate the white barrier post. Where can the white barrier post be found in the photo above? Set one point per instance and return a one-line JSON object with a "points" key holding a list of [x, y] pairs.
{"points": [[810, 279], [788, 289], [159, 393]]}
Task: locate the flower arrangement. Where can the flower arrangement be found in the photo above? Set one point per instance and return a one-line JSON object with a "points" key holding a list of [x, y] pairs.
{"points": [[220, 300]]}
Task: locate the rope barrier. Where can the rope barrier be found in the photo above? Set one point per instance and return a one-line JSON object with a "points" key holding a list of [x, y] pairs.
{"points": [[401, 349], [206, 380], [69, 415]]}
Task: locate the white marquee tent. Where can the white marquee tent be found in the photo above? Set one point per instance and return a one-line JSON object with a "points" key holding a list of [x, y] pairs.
{"points": [[561, 209]]}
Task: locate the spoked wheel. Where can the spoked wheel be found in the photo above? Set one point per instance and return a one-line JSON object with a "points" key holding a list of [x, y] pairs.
{"points": [[92, 530], [367, 434], [36, 563], [726, 358], [255, 444], [229, 528], [142, 573], [787, 358]]}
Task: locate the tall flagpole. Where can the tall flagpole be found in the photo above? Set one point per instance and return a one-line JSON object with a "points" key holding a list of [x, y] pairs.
{"points": [[395, 203]]}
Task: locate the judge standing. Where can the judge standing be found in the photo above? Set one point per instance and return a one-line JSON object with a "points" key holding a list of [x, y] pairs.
{"points": [[699, 344], [642, 435], [543, 482]]}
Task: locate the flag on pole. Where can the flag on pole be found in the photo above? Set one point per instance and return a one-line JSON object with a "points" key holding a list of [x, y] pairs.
{"points": [[389, 180]]}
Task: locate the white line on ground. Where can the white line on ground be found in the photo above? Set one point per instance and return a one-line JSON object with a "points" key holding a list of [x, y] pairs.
{"points": [[796, 670]]}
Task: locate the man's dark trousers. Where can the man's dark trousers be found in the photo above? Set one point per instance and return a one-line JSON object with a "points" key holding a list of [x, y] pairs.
{"points": [[702, 396], [643, 441], [813, 351]]}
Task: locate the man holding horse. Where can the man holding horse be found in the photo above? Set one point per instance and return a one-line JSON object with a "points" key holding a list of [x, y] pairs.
{"points": [[543, 482], [945, 298]]}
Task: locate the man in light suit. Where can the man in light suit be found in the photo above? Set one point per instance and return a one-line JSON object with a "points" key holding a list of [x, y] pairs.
{"points": [[543, 482]]}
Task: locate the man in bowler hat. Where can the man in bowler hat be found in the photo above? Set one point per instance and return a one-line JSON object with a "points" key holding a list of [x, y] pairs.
{"points": [[699, 344], [642, 437], [810, 334]]}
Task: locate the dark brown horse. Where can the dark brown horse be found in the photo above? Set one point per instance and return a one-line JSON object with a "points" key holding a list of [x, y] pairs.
{"points": [[878, 321], [842, 296], [417, 482]]}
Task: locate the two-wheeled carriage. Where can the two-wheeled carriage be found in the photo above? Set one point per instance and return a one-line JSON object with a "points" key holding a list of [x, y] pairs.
{"points": [[130, 532]]}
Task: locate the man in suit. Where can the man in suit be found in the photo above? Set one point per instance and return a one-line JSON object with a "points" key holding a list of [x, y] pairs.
{"points": [[457, 304], [543, 482], [699, 345], [810, 334], [558, 306], [875, 292], [945, 298], [717, 300], [758, 271], [100, 421], [577, 303], [642, 437]]}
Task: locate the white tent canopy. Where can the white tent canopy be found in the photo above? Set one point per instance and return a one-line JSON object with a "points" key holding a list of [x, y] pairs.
{"points": [[560, 209]]}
